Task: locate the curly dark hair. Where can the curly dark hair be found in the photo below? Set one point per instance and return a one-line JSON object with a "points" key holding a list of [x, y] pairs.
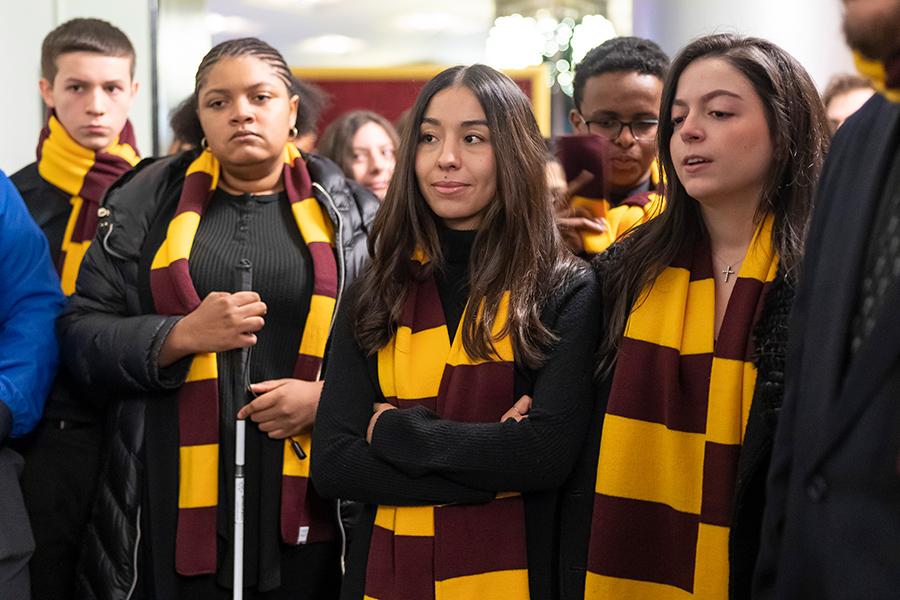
{"points": [[617, 55]]}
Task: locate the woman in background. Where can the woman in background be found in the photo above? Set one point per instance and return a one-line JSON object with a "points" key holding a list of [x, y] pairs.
{"points": [[364, 145]]}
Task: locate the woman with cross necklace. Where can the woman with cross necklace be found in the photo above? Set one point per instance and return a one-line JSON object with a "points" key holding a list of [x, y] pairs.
{"points": [[672, 481]]}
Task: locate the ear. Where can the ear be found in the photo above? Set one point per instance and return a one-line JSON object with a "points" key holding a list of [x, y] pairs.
{"points": [[47, 92], [576, 120], [295, 106]]}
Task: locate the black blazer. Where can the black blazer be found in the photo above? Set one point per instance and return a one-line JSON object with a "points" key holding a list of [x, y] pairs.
{"points": [[832, 522]]}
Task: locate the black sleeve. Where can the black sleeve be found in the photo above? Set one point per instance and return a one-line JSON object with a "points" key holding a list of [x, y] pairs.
{"points": [[533, 454], [105, 343], [342, 463]]}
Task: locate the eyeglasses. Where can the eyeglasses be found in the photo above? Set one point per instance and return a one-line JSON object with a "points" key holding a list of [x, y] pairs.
{"points": [[642, 130]]}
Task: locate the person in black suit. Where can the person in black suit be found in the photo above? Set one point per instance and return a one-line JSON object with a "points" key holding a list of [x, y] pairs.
{"points": [[832, 522]]}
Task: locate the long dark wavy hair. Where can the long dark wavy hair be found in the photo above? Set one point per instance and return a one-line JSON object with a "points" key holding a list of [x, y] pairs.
{"points": [[517, 247], [799, 134]]}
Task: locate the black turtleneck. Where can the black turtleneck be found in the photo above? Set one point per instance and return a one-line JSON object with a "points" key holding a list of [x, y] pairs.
{"points": [[417, 458], [453, 278]]}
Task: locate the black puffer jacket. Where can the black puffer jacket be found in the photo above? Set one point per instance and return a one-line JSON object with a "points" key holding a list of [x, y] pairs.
{"points": [[112, 336], [770, 343]]}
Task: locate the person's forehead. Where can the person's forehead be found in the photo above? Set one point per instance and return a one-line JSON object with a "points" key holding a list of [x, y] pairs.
{"points": [[624, 92], [90, 66]]}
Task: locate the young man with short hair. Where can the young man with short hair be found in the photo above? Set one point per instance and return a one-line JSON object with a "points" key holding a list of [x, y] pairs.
{"points": [[87, 68], [618, 90]]}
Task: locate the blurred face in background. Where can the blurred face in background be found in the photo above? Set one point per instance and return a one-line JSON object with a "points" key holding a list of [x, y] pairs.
{"points": [[843, 105], [873, 27], [626, 96], [373, 158]]}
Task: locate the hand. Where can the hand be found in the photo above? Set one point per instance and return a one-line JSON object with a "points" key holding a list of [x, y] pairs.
{"points": [[519, 410], [573, 221], [584, 178], [222, 322], [379, 408], [284, 407]]}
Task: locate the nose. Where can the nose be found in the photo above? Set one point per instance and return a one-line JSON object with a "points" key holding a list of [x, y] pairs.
{"points": [[449, 157], [690, 130], [377, 163], [97, 102], [242, 111], [626, 138]]}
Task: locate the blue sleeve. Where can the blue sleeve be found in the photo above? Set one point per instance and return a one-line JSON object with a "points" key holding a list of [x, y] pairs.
{"points": [[30, 301]]}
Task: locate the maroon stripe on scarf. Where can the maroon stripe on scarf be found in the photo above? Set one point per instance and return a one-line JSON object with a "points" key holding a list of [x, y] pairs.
{"points": [[297, 182], [311, 511], [195, 541], [473, 539], [307, 367], [736, 331], [323, 254], [656, 384], [85, 223], [195, 194], [106, 170], [645, 541], [408, 560], [490, 383], [422, 309], [720, 465], [196, 423], [429, 403], [171, 294]]}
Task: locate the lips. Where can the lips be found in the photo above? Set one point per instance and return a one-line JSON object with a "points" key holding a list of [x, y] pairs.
{"points": [[694, 163], [243, 134], [449, 187], [95, 129]]}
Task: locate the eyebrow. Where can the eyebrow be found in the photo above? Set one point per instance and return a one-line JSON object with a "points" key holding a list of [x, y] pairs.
{"points": [[70, 80], [255, 86], [433, 121], [709, 96]]}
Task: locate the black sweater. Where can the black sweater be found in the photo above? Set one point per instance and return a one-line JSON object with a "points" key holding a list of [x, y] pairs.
{"points": [[417, 458]]}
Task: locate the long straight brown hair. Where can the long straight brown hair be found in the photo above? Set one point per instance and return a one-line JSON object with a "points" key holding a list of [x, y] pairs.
{"points": [[799, 133], [517, 247]]}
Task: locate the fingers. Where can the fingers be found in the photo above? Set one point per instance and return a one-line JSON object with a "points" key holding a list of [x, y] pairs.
{"points": [[576, 184], [582, 224], [523, 404], [263, 387], [259, 405]]}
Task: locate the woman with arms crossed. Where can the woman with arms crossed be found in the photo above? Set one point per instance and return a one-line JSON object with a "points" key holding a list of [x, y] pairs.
{"points": [[470, 312]]}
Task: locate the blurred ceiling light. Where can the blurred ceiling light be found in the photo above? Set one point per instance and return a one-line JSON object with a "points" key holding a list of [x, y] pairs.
{"points": [[298, 5], [435, 22], [514, 42], [218, 24], [590, 33], [330, 43]]}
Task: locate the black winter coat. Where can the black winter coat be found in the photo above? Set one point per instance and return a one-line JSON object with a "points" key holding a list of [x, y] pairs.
{"points": [[112, 337], [770, 339]]}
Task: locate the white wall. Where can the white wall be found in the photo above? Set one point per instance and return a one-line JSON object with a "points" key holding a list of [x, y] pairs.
{"points": [[22, 29], [808, 29]]}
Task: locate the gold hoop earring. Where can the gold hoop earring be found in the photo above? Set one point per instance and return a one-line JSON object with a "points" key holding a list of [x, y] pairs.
{"points": [[294, 132], [203, 144]]}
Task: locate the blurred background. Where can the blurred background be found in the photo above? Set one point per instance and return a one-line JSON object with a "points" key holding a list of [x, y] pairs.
{"points": [[367, 53]]}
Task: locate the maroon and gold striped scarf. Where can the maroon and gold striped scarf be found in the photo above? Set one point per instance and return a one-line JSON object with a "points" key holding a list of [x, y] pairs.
{"points": [[85, 175], [451, 551], [673, 431], [173, 291]]}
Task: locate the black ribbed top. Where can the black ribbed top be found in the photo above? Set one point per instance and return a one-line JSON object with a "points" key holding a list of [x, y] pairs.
{"points": [[261, 229]]}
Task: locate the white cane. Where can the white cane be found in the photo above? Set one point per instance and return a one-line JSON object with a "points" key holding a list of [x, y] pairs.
{"points": [[241, 389]]}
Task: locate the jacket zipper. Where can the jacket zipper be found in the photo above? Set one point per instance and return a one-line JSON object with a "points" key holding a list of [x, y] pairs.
{"points": [[337, 304], [137, 545]]}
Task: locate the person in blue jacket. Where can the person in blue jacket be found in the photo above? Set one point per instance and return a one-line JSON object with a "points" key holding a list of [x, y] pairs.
{"points": [[30, 300]]}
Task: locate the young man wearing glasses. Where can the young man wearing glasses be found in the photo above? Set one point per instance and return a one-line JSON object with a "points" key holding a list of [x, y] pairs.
{"points": [[618, 89]]}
